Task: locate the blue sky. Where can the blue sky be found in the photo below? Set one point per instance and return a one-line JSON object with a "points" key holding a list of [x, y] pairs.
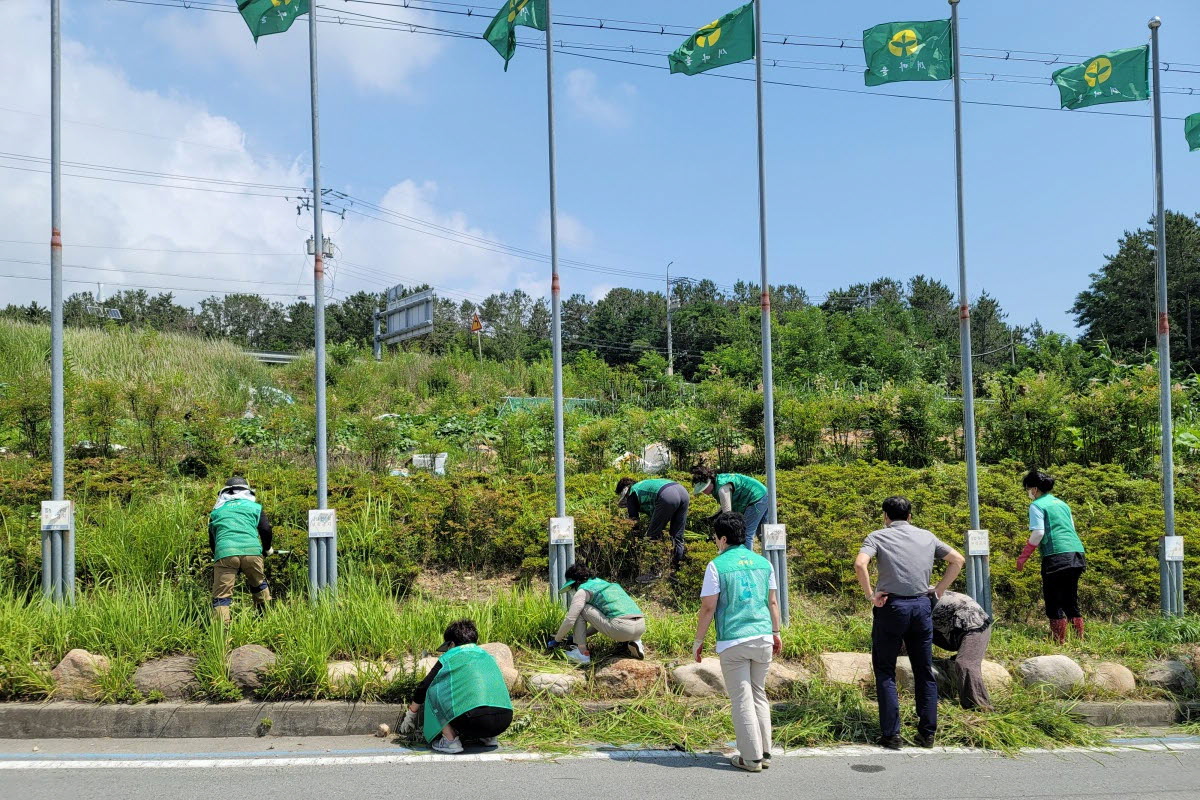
{"points": [[652, 168]]}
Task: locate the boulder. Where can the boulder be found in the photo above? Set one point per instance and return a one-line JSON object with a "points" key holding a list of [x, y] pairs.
{"points": [[627, 677], [1170, 676], [174, 677], [700, 680], [247, 665], [76, 676], [1057, 674], [558, 684], [409, 666], [904, 674], [1111, 677], [782, 677], [343, 674], [504, 657], [851, 668], [995, 677]]}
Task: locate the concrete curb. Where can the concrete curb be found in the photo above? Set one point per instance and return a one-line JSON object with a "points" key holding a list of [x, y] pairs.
{"points": [[73, 720]]}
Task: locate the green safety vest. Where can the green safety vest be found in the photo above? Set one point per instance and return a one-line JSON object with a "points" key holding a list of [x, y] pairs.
{"points": [[235, 525], [745, 580], [1060, 535], [746, 490], [610, 599], [469, 678], [646, 492]]}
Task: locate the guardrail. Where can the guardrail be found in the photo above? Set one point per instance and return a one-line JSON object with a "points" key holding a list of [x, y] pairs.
{"points": [[268, 357]]}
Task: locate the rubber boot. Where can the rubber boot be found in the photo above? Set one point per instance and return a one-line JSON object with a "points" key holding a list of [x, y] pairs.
{"points": [[1058, 631], [1078, 623]]}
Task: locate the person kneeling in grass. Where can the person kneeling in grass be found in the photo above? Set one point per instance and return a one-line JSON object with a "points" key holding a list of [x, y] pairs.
{"points": [[464, 696], [739, 590], [598, 607]]}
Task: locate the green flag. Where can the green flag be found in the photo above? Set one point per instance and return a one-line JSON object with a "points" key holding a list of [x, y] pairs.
{"points": [[1116, 77], [502, 32], [1191, 129], [727, 40], [909, 51], [264, 17]]}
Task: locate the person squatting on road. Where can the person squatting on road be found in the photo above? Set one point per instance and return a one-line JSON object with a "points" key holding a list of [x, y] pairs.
{"points": [[961, 626], [664, 502], [239, 533], [739, 590], [1052, 531], [735, 492], [464, 696], [903, 613], [598, 607]]}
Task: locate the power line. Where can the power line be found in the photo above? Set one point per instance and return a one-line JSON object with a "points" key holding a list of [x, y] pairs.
{"points": [[157, 288], [208, 277], [157, 249]]}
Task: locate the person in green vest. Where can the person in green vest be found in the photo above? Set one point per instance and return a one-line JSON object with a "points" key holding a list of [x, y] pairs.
{"points": [[464, 696], [735, 492], [239, 534], [1052, 531], [598, 607], [740, 592], [664, 502]]}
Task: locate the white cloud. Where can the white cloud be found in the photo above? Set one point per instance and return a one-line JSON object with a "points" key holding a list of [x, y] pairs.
{"points": [[180, 136], [373, 59], [609, 108], [572, 233]]}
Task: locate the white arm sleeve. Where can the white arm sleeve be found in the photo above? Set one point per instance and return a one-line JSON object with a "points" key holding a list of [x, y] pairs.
{"points": [[1035, 537], [725, 497]]}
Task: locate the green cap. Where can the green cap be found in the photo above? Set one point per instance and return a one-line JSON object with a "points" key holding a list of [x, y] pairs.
{"points": [[568, 586]]}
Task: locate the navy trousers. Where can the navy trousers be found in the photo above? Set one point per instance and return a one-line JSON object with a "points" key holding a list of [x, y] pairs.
{"points": [[908, 621]]}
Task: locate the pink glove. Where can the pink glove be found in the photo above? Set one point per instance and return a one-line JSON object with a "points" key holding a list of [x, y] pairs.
{"points": [[1025, 554]]}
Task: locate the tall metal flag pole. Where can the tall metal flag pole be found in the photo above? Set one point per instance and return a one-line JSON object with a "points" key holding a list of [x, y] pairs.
{"points": [[765, 286], [977, 583], [1171, 572]]}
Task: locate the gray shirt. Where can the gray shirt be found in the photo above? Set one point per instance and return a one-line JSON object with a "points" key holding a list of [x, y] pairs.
{"points": [[904, 555]]}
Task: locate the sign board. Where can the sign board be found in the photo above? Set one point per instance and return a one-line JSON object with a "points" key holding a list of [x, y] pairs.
{"points": [[978, 544], [774, 537], [58, 515], [1172, 547], [434, 462], [476, 324], [322, 524], [562, 530], [408, 316]]}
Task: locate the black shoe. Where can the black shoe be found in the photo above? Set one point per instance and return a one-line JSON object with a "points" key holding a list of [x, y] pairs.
{"points": [[924, 740], [890, 742]]}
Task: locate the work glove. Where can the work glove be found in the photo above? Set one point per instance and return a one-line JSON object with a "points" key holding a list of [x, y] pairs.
{"points": [[552, 644], [697, 649], [1025, 554], [270, 551], [408, 726]]}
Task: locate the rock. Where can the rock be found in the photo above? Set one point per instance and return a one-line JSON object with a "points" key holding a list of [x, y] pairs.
{"points": [[77, 674], [1110, 677], [1058, 674], [907, 682], [504, 657], [408, 666], [851, 668], [343, 674], [383, 730], [700, 680], [628, 677], [996, 677], [1170, 676], [247, 664], [174, 677], [558, 684], [782, 677]]}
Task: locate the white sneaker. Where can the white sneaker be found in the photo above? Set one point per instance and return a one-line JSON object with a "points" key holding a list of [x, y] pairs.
{"points": [[636, 649], [491, 741], [576, 655], [450, 747]]}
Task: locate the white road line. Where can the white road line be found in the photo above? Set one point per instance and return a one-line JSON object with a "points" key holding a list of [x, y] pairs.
{"points": [[183, 762]]}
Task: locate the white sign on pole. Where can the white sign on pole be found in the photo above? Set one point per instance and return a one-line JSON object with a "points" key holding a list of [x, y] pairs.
{"points": [[774, 537], [1172, 548], [562, 530], [322, 523], [978, 544], [57, 515]]}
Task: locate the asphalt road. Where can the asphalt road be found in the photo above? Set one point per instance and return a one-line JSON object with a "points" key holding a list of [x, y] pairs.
{"points": [[359, 767]]}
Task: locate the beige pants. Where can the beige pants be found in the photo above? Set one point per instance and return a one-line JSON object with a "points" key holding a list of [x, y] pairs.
{"points": [[744, 667], [619, 629], [225, 574]]}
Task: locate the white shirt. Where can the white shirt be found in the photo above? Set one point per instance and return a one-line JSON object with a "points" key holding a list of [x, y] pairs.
{"points": [[712, 586]]}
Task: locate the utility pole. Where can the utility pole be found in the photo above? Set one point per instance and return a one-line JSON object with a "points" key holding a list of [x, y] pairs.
{"points": [[670, 343]]}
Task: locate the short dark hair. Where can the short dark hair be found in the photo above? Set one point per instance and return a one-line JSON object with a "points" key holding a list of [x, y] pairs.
{"points": [[621, 484], [897, 508], [1036, 479], [461, 632], [578, 572], [730, 525], [702, 473]]}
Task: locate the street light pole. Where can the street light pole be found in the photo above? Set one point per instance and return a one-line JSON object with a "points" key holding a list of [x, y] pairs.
{"points": [[670, 343]]}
